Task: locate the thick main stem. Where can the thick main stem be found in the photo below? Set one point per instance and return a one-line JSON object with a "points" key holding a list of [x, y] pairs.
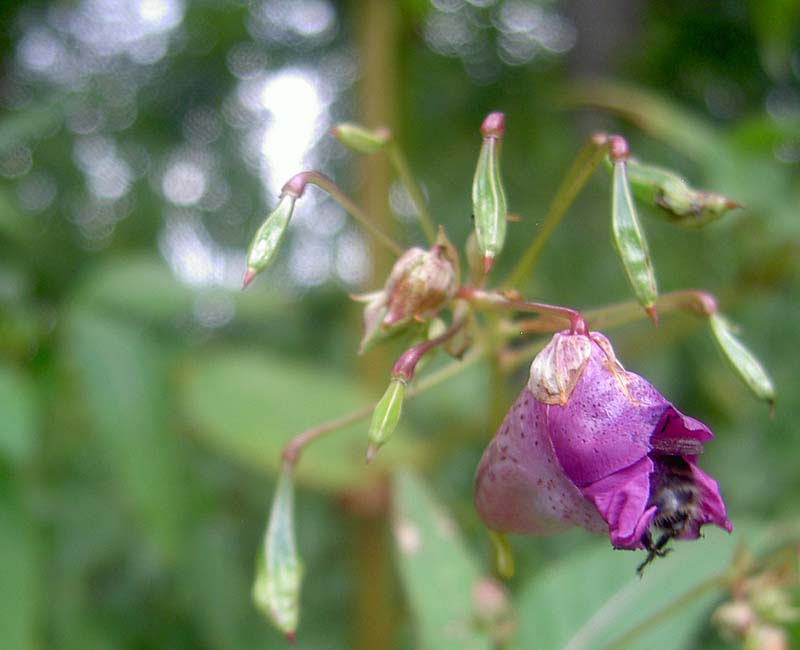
{"points": [[586, 162]]}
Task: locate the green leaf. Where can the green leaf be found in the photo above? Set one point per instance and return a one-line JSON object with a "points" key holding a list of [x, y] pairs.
{"points": [[592, 598], [143, 288], [247, 406], [33, 122], [18, 419], [123, 383], [680, 128], [436, 569], [19, 573]]}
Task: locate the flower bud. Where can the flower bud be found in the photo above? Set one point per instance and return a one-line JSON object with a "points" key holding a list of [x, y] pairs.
{"points": [[385, 416], [493, 611], [279, 570], [629, 239], [268, 238], [419, 284], [733, 619], [488, 196], [677, 200], [744, 363], [362, 140], [589, 444]]}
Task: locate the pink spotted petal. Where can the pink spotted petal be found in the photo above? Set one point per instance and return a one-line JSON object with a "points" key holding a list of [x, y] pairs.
{"points": [[622, 499]]}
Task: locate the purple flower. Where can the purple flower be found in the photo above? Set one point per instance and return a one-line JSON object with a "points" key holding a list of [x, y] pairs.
{"points": [[589, 444]]}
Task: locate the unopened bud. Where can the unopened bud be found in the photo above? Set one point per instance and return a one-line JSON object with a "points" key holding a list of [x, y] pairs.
{"points": [[362, 140], [629, 239], [279, 570], [743, 361], [385, 416], [680, 203], [766, 637], [488, 196], [268, 238], [733, 619], [494, 613]]}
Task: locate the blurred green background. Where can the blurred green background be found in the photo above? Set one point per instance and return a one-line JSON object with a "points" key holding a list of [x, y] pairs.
{"points": [[144, 399]]}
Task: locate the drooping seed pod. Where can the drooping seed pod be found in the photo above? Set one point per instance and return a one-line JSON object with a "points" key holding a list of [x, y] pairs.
{"points": [[279, 569]]}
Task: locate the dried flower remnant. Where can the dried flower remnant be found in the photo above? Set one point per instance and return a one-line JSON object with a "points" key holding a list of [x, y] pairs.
{"points": [[419, 284], [589, 444], [678, 202]]}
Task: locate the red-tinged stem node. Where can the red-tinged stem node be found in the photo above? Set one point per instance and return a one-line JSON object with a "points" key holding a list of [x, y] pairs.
{"points": [[618, 148], [493, 125], [652, 312], [404, 367], [248, 278], [488, 263], [372, 451], [296, 185], [291, 637]]}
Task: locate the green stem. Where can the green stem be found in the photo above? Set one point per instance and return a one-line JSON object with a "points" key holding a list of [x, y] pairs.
{"points": [[585, 163], [297, 183], [411, 186], [293, 449], [668, 610]]}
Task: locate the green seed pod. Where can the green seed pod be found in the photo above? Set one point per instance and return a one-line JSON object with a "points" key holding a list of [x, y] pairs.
{"points": [[744, 363], [359, 139], [385, 416], [279, 569], [629, 240], [488, 196], [677, 201], [268, 238]]}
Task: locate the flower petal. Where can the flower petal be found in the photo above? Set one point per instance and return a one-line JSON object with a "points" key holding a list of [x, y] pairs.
{"points": [[520, 486], [622, 501], [712, 508], [607, 423]]}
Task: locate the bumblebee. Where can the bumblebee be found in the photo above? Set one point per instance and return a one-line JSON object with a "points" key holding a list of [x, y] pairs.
{"points": [[676, 497]]}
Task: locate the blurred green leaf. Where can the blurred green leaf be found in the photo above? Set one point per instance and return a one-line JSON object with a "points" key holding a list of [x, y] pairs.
{"points": [[18, 415], [122, 378], [777, 26], [143, 287], [671, 123], [248, 405], [35, 121], [19, 574], [588, 600], [436, 568], [215, 584]]}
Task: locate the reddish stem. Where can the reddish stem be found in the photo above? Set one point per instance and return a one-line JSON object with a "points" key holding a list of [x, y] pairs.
{"points": [[405, 365], [511, 300]]}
